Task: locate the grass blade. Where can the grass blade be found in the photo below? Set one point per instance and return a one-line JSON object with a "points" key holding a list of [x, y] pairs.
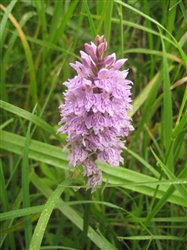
{"points": [[73, 216], [42, 152], [44, 218], [28, 116], [28, 54]]}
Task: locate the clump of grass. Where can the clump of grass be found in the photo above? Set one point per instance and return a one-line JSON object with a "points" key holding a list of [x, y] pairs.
{"points": [[142, 205]]}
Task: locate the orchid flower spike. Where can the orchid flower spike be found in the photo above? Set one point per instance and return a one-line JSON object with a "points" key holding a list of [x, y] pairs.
{"points": [[95, 113]]}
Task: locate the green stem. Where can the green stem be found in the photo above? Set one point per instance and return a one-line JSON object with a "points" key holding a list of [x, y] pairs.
{"points": [[86, 219]]}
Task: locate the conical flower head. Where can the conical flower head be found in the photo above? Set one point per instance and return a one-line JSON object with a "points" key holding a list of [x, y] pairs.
{"points": [[95, 113]]}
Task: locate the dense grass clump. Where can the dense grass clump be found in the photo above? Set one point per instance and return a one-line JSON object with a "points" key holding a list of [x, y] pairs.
{"points": [[143, 203]]}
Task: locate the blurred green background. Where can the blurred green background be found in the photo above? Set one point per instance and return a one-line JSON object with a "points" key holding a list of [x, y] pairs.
{"points": [[141, 205]]}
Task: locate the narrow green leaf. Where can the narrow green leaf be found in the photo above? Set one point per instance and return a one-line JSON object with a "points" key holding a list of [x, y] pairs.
{"points": [[44, 218], [153, 237], [28, 54], [28, 116], [154, 52], [91, 22], [5, 19], [42, 152], [97, 238], [108, 18], [3, 191], [20, 212], [25, 186], [146, 164], [157, 24], [171, 176], [167, 105], [141, 98], [180, 126], [3, 23], [65, 20]]}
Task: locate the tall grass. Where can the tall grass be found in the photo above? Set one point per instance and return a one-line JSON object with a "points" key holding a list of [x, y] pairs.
{"points": [[141, 205]]}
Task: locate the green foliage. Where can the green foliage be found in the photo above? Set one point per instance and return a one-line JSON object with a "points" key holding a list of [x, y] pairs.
{"points": [[141, 205]]}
